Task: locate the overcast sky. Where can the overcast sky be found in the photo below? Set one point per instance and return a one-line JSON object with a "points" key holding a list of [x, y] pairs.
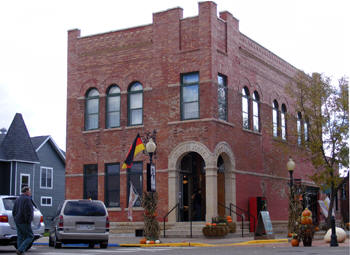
{"points": [[312, 35]]}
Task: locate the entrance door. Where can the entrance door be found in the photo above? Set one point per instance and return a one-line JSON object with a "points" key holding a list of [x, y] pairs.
{"points": [[221, 187], [192, 188]]}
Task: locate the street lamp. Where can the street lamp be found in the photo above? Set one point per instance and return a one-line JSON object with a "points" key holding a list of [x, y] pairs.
{"points": [[290, 167], [150, 148]]}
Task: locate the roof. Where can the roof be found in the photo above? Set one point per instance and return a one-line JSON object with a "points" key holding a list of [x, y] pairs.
{"points": [[16, 145], [39, 141]]}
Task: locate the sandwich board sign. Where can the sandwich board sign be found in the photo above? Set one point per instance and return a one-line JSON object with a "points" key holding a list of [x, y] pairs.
{"points": [[264, 229]]}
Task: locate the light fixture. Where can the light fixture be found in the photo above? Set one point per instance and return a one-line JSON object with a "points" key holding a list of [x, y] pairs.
{"points": [[151, 146], [290, 165]]}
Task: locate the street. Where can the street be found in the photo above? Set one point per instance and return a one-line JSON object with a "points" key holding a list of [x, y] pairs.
{"points": [[236, 250]]}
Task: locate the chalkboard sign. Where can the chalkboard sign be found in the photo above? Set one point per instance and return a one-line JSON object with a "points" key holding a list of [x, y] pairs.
{"points": [[264, 228]]}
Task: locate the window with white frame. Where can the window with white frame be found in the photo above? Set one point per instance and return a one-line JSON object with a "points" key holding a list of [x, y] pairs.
{"points": [[46, 201], [24, 180], [46, 177]]}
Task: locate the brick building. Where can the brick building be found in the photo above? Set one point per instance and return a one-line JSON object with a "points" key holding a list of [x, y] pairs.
{"points": [[216, 99]]}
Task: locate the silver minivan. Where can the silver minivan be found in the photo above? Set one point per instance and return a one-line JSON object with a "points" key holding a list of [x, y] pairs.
{"points": [[8, 233], [80, 221]]}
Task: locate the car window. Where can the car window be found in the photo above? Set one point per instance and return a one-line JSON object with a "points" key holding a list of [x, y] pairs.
{"points": [[84, 208], [9, 202]]}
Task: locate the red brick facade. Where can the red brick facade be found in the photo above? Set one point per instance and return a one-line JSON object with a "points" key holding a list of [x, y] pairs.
{"points": [[156, 55]]}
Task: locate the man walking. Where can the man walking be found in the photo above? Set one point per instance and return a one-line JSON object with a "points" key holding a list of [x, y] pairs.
{"points": [[23, 215]]}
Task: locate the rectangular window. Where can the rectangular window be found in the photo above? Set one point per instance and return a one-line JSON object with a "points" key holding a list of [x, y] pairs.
{"points": [[112, 185], [90, 182], [256, 125], [190, 96], [134, 176], [222, 97], [46, 178], [46, 201], [24, 180], [306, 131]]}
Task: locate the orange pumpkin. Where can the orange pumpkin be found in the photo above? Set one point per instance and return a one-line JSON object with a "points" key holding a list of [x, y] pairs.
{"points": [[289, 234], [143, 241], [214, 224], [294, 242], [306, 212], [151, 242], [317, 229]]}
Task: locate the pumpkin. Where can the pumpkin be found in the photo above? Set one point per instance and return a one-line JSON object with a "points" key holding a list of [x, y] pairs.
{"points": [[143, 241], [309, 221], [208, 224], [294, 242], [306, 212], [151, 242], [290, 234], [317, 229]]}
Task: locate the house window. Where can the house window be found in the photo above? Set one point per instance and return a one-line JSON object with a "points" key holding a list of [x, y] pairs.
{"points": [[283, 122], [90, 182], [275, 118], [190, 96], [113, 107], [306, 130], [46, 177], [135, 104], [256, 111], [24, 180], [46, 201], [91, 109], [112, 185], [222, 97], [245, 107], [134, 176], [299, 132]]}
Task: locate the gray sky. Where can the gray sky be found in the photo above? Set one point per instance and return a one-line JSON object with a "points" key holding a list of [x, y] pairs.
{"points": [[312, 35]]}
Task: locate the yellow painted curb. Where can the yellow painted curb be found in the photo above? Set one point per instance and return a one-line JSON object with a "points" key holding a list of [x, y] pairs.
{"points": [[204, 244]]}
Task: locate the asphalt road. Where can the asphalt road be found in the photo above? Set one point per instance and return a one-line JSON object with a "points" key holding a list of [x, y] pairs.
{"points": [[236, 250]]}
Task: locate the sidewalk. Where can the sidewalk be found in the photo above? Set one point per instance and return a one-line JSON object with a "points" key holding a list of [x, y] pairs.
{"points": [[129, 240]]}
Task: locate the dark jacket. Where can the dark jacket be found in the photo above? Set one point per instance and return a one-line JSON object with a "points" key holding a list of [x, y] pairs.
{"points": [[22, 211]]}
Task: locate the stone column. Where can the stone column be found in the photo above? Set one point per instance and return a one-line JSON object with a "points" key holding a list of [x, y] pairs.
{"points": [[211, 192], [172, 194], [230, 183]]}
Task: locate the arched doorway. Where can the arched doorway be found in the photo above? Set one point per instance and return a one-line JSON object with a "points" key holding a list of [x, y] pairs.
{"points": [[221, 187], [192, 188]]}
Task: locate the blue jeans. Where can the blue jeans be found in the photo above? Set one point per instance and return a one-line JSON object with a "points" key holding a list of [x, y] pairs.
{"points": [[25, 236]]}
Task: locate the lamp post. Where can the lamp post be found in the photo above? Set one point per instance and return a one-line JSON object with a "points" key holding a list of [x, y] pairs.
{"points": [[151, 176], [290, 167], [150, 198]]}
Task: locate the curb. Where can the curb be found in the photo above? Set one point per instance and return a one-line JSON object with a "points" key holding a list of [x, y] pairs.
{"points": [[267, 241]]}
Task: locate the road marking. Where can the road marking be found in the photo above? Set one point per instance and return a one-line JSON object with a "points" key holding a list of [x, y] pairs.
{"points": [[116, 250]]}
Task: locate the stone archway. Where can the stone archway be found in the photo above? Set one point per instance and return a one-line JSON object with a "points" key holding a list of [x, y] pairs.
{"points": [[174, 161], [224, 150]]}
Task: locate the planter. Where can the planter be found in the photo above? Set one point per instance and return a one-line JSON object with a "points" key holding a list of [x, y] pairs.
{"points": [[215, 231], [307, 241], [231, 227]]}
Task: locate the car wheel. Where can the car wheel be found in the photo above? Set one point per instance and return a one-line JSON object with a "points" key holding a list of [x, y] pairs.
{"points": [[91, 245], [103, 245], [56, 243]]}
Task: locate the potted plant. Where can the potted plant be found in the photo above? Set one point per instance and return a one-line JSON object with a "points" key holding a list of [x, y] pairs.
{"points": [[306, 228]]}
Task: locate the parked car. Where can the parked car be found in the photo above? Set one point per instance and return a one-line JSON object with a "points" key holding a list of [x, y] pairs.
{"points": [[80, 221], [8, 233]]}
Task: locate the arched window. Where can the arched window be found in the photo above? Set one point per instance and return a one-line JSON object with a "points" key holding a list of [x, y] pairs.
{"points": [[113, 107], [256, 111], [275, 118], [91, 109], [245, 107], [189, 96], [283, 122], [306, 130], [222, 97], [299, 133], [135, 104]]}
